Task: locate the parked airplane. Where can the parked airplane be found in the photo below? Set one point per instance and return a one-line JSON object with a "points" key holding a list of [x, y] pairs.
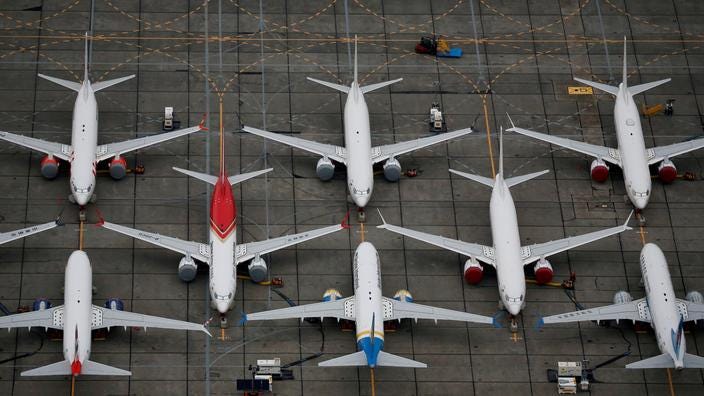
{"points": [[369, 309], [507, 255], [84, 153], [631, 154], [358, 155], [78, 317], [665, 313], [10, 236], [221, 253]]}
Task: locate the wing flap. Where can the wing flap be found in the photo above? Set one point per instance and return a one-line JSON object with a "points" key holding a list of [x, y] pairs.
{"points": [[335, 153], [248, 251], [51, 318], [340, 309], [672, 150], [10, 236], [404, 310], [382, 153], [106, 317], [636, 310], [106, 151], [58, 150]]}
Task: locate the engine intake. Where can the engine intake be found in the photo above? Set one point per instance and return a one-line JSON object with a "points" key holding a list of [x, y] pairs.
{"points": [[325, 169], [599, 171], [331, 295], [41, 304], [622, 297], [118, 168], [187, 269], [257, 269], [115, 304], [49, 167], [473, 271], [667, 171], [392, 170], [543, 271], [403, 295]]}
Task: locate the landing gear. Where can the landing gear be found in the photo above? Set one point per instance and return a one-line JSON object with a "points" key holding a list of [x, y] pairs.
{"points": [[224, 324], [514, 324], [82, 214], [361, 215]]}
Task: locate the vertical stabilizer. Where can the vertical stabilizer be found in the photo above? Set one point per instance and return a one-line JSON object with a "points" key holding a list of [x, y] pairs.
{"points": [[624, 79], [85, 60], [355, 58], [501, 151]]}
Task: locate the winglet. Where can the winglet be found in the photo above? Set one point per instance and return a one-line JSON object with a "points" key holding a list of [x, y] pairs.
{"points": [[206, 331], [495, 322], [510, 120], [540, 324], [59, 221], [383, 221], [345, 222], [202, 123], [628, 220], [101, 220], [243, 319]]}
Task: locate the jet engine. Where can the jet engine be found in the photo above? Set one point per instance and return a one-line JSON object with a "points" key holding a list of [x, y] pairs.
{"points": [[667, 171], [49, 167], [41, 304], [543, 271], [694, 297], [118, 168], [257, 269], [115, 304], [392, 169], [187, 269], [403, 295], [325, 169], [331, 295], [622, 297], [473, 271], [599, 171]]}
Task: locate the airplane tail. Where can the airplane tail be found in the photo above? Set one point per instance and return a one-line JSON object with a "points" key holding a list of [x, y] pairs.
{"points": [[693, 361], [64, 368], [364, 89], [210, 179], [383, 359], [353, 359], [634, 90], [660, 361]]}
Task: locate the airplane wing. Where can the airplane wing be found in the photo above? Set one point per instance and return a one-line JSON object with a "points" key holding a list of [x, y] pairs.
{"points": [[382, 153], [58, 150], [106, 317], [10, 236], [692, 311], [51, 318], [335, 153], [657, 154], [196, 250], [532, 253], [636, 310], [480, 252], [607, 154], [340, 309], [248, 251], [397, 310], [109, 150]]}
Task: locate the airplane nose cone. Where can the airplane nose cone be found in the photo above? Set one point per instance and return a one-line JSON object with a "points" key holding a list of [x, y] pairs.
{"points": [[361, 200], [222, 306], [82, 199], [513, 309], [640, 203]]}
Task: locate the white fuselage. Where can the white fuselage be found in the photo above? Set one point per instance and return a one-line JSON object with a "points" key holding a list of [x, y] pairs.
{"points": [[631, 148], [507, 248], [84, 140], [223, 271], [662, 304], [360, 177], [368, 301], [78, 308]]}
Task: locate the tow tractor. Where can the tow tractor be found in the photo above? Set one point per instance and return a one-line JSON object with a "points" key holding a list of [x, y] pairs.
{"points": [[436, 122], [438, 46]]}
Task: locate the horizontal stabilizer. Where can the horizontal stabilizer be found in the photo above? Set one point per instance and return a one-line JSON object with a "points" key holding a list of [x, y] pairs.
{"points": [[341, 88], [58, 368], [389, 360], [74, 86], [246, 176], [602, 87], [200, 176], [512, 181], [93, 368], [100, 85], [660, 361], [374, 87], [353, 359], [480, 179], [693, 361], [636, 89]]}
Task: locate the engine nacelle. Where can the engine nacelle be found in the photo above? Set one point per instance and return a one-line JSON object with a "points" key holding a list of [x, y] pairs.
{"points": [[599, 171], [257, 270], [41, 304], [118, 168], [667, 171], [325, 169], [473, 271], [622, 297], [331, 295], [49, 167], [392, 169], [403, 295], [543, 271], [187, 269], [115, 304], [694, 297]]}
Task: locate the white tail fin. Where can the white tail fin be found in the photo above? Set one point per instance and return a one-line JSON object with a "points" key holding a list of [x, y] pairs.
{"points": [[353, 359], [210, 179], [338, 87], [94, 368], [512, 181], [693, 361], [660, 361], [58, 368], [389, 360], [74, 86], [109, 83], [479, 179]]}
